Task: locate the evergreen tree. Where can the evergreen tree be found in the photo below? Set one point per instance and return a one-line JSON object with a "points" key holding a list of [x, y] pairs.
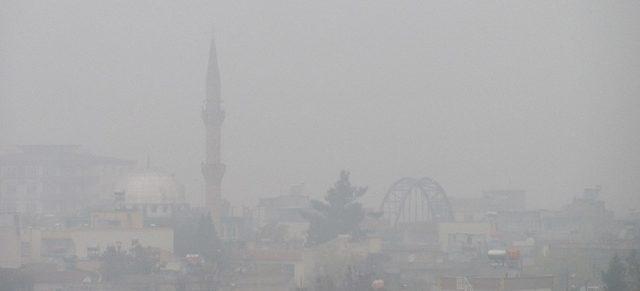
{"points": [[184, 233], [143, 260], [116, 262], [614, 277], [206, 240], [340, 213]]}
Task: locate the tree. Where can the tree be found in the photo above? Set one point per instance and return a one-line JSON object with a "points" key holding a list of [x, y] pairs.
{"points": [[117, 262], [614, 278], [360, 275], [206, 240], [197, 235], [143, 260], [273, 233], [340, 213], [114, 263]]}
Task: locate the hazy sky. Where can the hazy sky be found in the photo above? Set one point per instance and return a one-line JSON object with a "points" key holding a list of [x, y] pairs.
{"points": [[537, 95]]}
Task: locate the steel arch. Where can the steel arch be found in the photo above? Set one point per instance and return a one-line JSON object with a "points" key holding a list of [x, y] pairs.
{"points": [[411, 200]]}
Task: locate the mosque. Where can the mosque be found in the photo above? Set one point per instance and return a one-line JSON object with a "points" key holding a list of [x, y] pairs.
{"points": [[158, 194]]}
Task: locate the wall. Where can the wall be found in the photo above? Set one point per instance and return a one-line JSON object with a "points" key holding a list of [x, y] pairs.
{"points": [[472, 228], [9, 241], [161, 238]]}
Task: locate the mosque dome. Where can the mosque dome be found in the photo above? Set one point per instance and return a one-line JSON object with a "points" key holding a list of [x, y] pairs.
{"points": [[152, 186]]}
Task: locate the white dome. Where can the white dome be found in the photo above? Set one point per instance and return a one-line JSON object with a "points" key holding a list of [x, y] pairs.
{"points": [[153, 187]]}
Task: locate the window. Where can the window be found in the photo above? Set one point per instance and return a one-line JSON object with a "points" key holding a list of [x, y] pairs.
{"points": [[25, 249], [13, 171], [32, 188], [468, 217], [113, 223], [32, 171], [93, 251]]}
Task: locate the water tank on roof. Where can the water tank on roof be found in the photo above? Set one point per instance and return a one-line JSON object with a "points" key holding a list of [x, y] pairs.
{"points": [[497, 254]]}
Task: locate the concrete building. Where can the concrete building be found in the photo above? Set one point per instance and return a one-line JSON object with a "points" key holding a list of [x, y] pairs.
{"points": [[517, 225], [506, 200], [57, 179], [48, 277], [492, 201], [464, 241], [335, 257], [585, 219], [539, 283], [9, 241], [272, 270], [123, 229], [236, 223], [284, 211], [450, 234]]}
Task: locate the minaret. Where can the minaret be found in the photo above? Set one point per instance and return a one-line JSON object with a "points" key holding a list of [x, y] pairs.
{"points": [[213, 116]]}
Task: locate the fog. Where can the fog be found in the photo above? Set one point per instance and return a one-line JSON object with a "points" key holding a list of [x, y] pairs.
{"points": [[540, 95]]}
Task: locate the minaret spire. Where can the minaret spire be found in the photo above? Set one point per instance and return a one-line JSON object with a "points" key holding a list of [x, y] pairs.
{"points": [[213, 116], [213, 74]]}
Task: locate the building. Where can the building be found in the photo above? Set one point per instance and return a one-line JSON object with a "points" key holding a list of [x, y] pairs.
{"points": [[538, 283], [57, 179], [285, 212], [122, 229], [506, 200], [517, 225], [49, 277], [272, 270], [236, 224], [9, 240], [158, 195], [585, 219], [464, 241], [491, 201]]}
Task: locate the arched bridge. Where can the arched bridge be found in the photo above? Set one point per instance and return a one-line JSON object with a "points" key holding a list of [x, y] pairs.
{"points": [[411, 200]]}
